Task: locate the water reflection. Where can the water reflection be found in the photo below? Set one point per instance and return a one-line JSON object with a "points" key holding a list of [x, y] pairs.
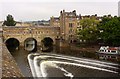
{"points": [[20, 57]]}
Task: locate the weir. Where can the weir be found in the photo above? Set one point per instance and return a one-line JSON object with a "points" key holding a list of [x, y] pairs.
{"points": [[54, 65]]}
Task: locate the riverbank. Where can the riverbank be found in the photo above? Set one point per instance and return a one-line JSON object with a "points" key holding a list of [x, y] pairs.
{"points": [[86, 51], [9, 66], [79, 51]]}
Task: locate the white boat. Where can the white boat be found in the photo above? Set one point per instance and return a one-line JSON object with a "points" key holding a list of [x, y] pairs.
{"points": [[106, 52], [109, 50]]}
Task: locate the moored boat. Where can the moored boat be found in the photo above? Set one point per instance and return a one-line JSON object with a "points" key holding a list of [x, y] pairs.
{"points": [[106, 52]]}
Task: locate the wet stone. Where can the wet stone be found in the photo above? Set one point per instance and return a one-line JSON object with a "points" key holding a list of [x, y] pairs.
{"points": [[9, 66]]}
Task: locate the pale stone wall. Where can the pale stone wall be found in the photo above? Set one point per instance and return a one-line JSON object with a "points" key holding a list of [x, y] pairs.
{"points": [[36, 32], [9, 66], [66, 18], [55, 21]]}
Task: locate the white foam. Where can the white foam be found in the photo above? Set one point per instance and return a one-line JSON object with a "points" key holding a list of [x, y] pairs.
{"points": [[75, 64], [81, 61], [41, 71], [68, 74], [43, 67], [45, 64]]}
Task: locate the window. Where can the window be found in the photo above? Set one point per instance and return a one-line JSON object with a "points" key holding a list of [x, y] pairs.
{"points": [[101, 50], [70, 36], [71, 19], [113, 57], [70, 15], [70, 31], [70, 24], [113, 51]]}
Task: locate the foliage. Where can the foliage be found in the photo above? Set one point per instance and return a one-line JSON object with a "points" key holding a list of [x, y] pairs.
{"points": [[88, 34], [111, 30], [10, 21], [89, 23], [89, 29]]}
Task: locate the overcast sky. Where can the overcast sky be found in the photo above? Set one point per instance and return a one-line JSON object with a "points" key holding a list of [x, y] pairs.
{"points": [[26, 10]]}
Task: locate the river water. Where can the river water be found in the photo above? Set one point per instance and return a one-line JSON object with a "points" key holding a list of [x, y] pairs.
{"points": [[20, 56]]}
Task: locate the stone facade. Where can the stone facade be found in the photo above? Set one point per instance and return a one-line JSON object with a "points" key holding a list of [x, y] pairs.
{"points": [[36, 32], [9, 66], [55, 21], [67, 21], [68, 25]]}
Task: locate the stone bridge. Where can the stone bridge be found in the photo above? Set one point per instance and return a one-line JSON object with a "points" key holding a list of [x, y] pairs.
{"points": [[38, 33]]}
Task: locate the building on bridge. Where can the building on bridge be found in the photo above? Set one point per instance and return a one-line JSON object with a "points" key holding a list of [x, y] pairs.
{"points": [[69, 23], [55, 21], [38, 33]]}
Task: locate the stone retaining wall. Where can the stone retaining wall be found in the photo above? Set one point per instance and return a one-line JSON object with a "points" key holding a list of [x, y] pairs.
{"points": [[9, 66]]}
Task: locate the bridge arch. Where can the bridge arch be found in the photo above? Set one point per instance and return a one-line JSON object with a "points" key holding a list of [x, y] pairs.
{"points": [[47, 44], [12, 44], [30, 44]]}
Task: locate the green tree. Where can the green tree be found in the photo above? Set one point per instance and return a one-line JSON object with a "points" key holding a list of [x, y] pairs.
{"points": [[88, 34], [10, 21], [110, 31], [89, 23], [89, 30]]}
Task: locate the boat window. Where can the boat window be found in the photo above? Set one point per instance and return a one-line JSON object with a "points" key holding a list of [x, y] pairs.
{"points": [[108, 50], [101, 50], [113, 57], [110, 56], [113, 51]]}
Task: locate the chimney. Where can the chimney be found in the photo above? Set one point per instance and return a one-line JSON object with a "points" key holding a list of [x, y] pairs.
{"points": [[95, 14], [60, 12], [74, 11], [63, 11]]}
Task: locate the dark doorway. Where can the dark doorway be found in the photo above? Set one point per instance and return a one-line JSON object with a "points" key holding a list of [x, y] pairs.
{"points": [[47, 44], [12, 44]]}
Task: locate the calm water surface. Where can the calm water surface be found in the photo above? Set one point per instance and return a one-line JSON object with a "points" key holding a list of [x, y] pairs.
{"points": [[21, 59]]}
